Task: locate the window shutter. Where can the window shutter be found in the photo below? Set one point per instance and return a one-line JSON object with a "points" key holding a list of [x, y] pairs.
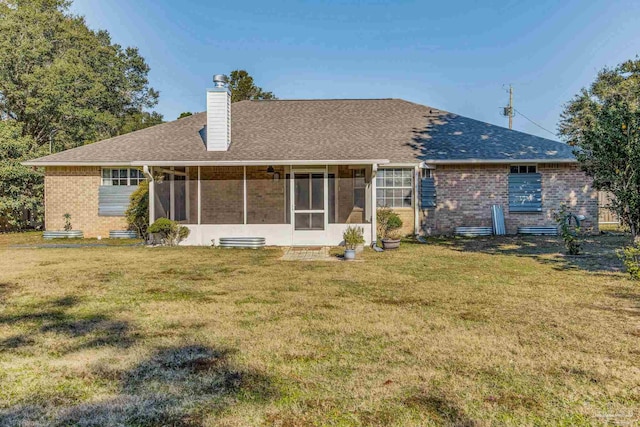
{"points": [[113, 200], [427, 193], [525, 192]]}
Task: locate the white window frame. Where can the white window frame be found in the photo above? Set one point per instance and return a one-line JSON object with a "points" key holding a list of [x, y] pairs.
{"points": [[406, 173], [108, 180]]}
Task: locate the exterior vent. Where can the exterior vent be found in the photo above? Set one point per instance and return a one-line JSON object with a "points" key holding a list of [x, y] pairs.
{"points": [[218, 133]]}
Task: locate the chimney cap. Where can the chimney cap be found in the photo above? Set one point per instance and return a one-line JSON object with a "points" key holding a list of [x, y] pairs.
{"points": [[220, 80]]}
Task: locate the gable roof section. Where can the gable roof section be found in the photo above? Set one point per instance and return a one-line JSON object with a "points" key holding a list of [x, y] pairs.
{"points": [[322, 130], [448, 138]]}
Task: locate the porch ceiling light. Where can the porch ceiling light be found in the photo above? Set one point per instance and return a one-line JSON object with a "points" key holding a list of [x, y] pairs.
{"points": [[271, 170]]}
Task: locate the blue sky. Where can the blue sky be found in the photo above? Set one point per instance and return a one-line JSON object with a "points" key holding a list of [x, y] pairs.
{"points": [[454, 55]]}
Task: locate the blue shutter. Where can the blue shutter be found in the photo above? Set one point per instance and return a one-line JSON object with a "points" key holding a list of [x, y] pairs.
{"points": [[427, 193], [113, 200], [525, 192]]}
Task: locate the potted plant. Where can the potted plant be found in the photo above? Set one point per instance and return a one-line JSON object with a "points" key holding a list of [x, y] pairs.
{"points": [[66, 233], [389, 225], [353, 236]]}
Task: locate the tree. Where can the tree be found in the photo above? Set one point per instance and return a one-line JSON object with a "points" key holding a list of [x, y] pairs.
{"points": [[21, 187], [59, 81], [243, 88], [140, 120], [137, 213], [58, 76], [603, 123], [185, 114]]}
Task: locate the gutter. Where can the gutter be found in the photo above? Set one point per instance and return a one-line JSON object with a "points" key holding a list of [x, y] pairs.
{"points": [[42, 164], [212, 163], [386, 162], [506, 161]]}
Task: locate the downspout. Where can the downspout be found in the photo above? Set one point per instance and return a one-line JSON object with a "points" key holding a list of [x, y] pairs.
{"points": [[146, 171]]}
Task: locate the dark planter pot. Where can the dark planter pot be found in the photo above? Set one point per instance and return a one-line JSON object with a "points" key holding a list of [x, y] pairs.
{"points": [[390, 244], [349, 254]]}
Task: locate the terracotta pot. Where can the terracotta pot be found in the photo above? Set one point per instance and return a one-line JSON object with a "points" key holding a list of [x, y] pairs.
{"points": [[390, 244]]}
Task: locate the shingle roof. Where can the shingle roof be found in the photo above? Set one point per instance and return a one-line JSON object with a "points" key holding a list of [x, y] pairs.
{"points": [[393, 129]]}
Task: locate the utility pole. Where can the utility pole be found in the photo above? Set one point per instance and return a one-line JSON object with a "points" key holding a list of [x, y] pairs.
{"points": [[508, 110], [510, 107]]}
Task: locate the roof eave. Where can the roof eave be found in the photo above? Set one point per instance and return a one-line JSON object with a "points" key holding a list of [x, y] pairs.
{"points": [[497, 161], [211, 163]]}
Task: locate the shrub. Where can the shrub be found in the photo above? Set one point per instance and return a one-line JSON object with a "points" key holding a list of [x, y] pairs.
{"points": [[67, 222], [388, 223], [568, 233], [137, 213], [630, 256], [353, 236], [394, 234], [171, 233]]}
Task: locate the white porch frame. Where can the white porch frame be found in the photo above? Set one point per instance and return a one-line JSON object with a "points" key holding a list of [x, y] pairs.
{"points": [[331, 231]]}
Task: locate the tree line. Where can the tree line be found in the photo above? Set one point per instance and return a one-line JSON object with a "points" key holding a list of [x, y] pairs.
{"points": [[63, 85]]}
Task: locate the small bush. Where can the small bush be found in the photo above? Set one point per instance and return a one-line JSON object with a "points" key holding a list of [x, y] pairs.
{"points": [[630, 256], [67, 222], [568, 232], [388, 223], [353, 236], [137, 213], [171, 233], [394, 234]]}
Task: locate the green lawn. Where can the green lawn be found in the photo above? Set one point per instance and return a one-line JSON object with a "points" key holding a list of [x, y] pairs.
{"points": [[454, 332]]}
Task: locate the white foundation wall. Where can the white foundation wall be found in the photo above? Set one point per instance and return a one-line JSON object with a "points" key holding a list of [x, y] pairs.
{"points": [[274, 234]]}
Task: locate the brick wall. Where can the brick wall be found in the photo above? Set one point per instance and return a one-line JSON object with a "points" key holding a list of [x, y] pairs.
{"points": [[348, 213], [406, 215], [265, 197], [465, 194], [222, 190], [74, 190]]}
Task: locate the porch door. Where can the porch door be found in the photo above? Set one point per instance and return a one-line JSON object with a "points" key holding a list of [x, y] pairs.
{"points": [[309, 208]]}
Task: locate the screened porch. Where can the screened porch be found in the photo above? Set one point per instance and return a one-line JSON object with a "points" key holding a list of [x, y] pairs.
{"points": [[287, 205]]}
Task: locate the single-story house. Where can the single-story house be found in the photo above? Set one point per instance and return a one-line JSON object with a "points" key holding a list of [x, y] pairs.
{"points": [[298, 172]]}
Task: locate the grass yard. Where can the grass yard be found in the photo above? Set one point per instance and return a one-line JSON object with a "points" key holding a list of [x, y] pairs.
{"points": [[455, 332]]}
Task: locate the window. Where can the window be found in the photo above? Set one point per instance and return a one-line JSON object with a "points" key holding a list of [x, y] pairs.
{"points": [[135, 176], [523, 169], [121, 176], [394, 188], [359, 187], [425, 173]]}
